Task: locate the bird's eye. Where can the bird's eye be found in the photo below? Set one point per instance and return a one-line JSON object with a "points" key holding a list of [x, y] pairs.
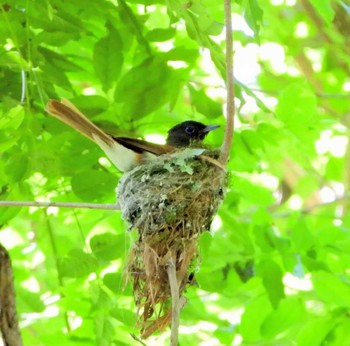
{"points": [[189, 129]]}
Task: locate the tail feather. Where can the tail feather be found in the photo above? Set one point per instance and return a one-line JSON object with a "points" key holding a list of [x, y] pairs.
{"points": [[125, 153], [70, 115]]}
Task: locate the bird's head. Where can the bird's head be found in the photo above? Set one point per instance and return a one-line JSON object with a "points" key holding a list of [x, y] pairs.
{"points": [[188, 132]]}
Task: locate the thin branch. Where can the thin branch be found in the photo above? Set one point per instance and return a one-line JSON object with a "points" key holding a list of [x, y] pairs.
{"points": [[59, 205], [9, 329], [175, 302], [230, 102], [137, 339]]}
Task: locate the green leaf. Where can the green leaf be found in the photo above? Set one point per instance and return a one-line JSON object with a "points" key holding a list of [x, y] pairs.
{"points": [[314, 331], [289, 315], [105, 246], [17, 166], [108, 58], [254, 315], [204, 104], [341, 333], [253, 14], [29, 302], [301, 237], [8, 213], [297, 107], [91, 104], [160, 35], [324, 9], [126, 316], [12, 118], [147, 87], [332, 288], [104, 329], [94, 185], [272, 275], [77, 264]]}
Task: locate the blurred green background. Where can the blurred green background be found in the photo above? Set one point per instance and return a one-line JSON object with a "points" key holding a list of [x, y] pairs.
{"points": [[275, 269]]}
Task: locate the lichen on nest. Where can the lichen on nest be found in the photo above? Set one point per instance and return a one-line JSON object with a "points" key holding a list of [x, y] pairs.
{"points": [[170, 201]]}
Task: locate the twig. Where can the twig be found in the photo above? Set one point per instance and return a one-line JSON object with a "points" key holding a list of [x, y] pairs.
{"points": [[8, 316], [175, 307], [212, 161], [59, 205], [137, 339], [230, 102]]}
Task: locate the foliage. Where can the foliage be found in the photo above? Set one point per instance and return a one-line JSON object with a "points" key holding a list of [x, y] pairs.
{"points": [[275, 267]]}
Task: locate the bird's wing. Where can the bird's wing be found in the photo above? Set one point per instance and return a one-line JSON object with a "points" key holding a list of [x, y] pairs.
{"points": [[141, 146]]}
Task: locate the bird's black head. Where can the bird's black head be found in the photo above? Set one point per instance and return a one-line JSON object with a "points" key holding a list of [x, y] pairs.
{"points": [[188, 132]]}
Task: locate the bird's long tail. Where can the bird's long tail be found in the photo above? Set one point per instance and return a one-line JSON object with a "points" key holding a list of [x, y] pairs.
{"points": [[69, 114]]}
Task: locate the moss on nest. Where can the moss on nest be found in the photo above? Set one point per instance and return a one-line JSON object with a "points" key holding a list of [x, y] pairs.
{"points": [[170, 201]]}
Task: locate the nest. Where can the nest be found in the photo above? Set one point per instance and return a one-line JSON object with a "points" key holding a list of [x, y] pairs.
{"points": [[170, 201]]}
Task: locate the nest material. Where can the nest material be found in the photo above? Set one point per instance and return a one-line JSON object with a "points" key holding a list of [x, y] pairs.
{"points": [[170, 201]]}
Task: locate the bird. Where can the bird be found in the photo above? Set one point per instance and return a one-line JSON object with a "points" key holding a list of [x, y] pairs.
{"points": [[124, 152]]}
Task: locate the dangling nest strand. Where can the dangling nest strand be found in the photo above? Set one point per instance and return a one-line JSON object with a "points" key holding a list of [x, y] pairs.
{"points": [[170, 201]]}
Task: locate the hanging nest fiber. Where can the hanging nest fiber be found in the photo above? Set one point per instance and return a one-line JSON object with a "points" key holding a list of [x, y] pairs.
{"points": [[170, 201]]}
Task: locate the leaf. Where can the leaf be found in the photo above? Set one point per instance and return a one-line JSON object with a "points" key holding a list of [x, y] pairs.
{"points": [[253, 14], [104, 329], [297, 107], [94, 185], [91, 104], [254, 314], [314, 331], [160, 35], [29, 302], [60, 61], [147, 87], [332, 288], [324, 9], [341, 333], [105, 246], [204, 104], [77, 264], [12, 118], [17, 166], [108, 58], [289, 314], [8, 213], [182, 54], [301, 237], [271, 274], [126, 316]]}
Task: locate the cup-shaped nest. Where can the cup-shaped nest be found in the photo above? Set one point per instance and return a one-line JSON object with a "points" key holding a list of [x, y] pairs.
{"points": [[170, 201]]}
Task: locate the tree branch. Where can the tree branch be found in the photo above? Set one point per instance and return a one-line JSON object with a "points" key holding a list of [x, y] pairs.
{"points": [[59, 205], [230, 98], [8, 316]]}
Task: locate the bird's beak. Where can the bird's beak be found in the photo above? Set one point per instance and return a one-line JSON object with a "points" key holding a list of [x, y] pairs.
{"points": [[210, 128]]}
